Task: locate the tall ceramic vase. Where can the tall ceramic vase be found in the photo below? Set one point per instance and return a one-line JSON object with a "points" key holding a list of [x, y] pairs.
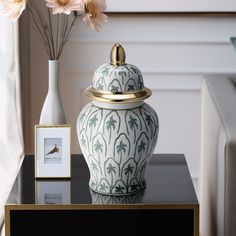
{"points": [[52, 112], [117, 130]]}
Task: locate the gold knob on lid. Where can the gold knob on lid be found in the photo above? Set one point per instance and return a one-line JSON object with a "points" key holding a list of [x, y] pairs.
{"points": [[117, 55]]}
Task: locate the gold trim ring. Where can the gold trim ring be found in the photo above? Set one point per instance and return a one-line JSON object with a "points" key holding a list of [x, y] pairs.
{"points": [[109, 97]]}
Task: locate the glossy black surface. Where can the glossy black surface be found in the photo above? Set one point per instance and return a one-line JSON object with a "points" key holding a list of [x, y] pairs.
{"points": [[167, 175], [167, 207]]}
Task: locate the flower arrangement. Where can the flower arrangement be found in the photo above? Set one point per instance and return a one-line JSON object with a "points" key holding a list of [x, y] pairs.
{"points": [[54, 23]]}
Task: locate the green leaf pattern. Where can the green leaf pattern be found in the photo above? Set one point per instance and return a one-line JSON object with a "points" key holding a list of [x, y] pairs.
{"points": [[117, 146], [115, 86], [99, 146], [106, 78], [111, 125]]}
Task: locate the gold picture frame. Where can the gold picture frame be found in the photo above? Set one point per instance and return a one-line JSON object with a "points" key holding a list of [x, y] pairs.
{"points": [[52, 151]]}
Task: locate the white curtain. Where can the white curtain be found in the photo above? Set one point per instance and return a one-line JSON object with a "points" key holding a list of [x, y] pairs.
{"points": [[11, 138]]}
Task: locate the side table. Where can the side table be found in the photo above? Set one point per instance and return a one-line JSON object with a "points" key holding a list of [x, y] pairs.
{"points": [[59, 207]]}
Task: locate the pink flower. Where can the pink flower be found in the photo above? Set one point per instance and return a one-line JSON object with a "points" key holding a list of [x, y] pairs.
{"points": [[12, 8], [93, 14], [64, 6]]}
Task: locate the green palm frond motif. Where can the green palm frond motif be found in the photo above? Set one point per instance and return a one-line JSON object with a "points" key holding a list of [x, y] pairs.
{"points": [[122, 73], [94, 166], [132, 122], [134, 186], [100, 84], [148, 119], [111, 169], [114, 89], [82, 116], [119, 189], [100, 87], [142, 146], [129, 169], [130, 87], [93, 121], [105, 71], [111, 123], [103, 187], [121, 147], [92, 184], [98, 146]]}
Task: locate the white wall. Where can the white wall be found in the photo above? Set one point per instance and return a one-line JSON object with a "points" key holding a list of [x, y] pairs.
{"points": [[171, 6], [173, 52]]}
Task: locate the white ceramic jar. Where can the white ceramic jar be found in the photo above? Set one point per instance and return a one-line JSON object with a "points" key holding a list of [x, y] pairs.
{"points": [[117, 130]]}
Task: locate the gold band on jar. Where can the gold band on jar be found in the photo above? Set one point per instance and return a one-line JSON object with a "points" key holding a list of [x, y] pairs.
{"points": [[109, 97]]}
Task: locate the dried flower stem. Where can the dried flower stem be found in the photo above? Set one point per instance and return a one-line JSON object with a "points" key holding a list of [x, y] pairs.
{"points": [[67, 33], [57, 37], [38, 29], [41, 26], [51, 33], [53, 41]]}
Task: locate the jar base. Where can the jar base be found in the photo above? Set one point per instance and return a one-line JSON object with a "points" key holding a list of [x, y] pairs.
{"points": [[98, 198], [117, 190]]}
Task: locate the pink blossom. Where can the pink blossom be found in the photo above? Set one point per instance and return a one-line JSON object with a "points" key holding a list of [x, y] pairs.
{"points": [[12, 8], [64, 6], [93, 13]]}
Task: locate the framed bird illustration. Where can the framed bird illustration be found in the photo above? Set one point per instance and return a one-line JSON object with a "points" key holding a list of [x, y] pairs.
{"points": [[52, 151]]}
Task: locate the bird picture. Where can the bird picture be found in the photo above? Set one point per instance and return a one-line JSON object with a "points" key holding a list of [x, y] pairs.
{"points": [[54, 150]]}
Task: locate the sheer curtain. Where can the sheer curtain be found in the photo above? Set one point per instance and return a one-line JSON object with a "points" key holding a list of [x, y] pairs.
{"points": [[11, 138]]}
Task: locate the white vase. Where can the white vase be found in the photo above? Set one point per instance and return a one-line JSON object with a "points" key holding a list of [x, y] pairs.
{"points": [[52, 112]]}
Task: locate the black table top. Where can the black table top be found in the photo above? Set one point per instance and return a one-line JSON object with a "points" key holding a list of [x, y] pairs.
{"points": [[167, 177]]}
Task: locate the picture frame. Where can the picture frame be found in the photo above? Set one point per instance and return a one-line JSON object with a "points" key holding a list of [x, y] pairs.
{"points": [[52, 192], [52, 151]]}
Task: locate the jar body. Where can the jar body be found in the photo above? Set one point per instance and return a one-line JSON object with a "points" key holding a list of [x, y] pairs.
{"points": [[117, 145]]}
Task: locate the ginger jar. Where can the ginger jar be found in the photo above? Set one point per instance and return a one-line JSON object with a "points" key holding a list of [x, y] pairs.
{"points": [[117, 130]]}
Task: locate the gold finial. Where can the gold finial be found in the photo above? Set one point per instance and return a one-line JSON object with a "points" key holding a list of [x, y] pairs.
{"points": [[117, 55]]}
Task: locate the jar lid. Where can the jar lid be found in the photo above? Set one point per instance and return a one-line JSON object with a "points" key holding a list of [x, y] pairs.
{"points": [[117, 81]]}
